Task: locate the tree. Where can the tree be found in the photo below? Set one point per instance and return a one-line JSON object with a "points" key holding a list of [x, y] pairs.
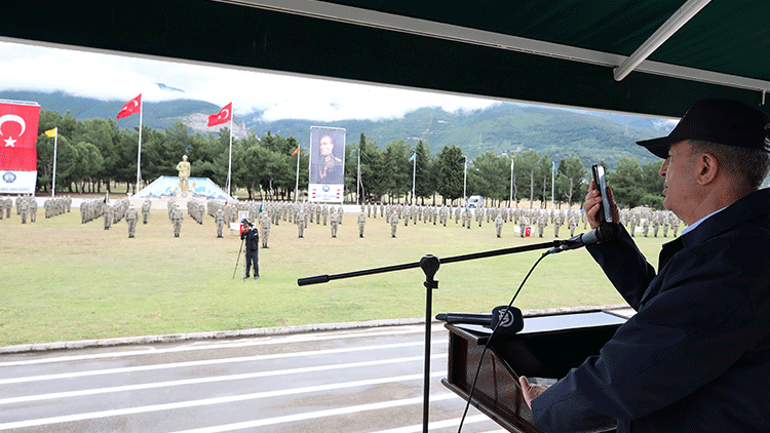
{"points": [[450, 171], [89, 164], [424, 181], [527, 164], [626, 183], [398, 168], [490, 176], [570, 182]]}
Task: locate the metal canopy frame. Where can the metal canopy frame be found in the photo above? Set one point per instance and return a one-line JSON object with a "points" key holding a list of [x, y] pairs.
{"points": [[407, 44]]}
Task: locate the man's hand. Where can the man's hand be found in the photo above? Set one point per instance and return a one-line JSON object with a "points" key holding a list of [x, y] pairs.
{"points": [[530, 390], [592, 204]]}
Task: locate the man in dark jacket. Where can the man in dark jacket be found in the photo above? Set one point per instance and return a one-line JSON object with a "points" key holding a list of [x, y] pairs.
{"points": [[250, 235], [696, 356]]}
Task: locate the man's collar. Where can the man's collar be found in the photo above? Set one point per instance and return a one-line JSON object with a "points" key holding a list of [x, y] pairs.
{"points": [[745, 209]]}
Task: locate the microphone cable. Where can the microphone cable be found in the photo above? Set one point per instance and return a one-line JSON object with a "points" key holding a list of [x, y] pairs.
{"points": [[489, 340]]}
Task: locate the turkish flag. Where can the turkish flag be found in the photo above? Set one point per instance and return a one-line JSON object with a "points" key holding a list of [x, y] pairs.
{"points": [[18, 156], [224, 115], [131, 107], [296, 151]]}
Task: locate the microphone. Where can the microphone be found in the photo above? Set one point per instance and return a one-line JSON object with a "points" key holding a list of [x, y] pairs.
{"points": [[602, 233], [508, 322]]}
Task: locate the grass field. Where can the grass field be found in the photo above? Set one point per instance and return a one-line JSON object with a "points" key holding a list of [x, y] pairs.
{"points": [[62, 280]]}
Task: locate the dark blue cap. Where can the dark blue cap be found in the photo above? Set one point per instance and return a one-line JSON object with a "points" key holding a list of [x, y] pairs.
{"points": [[722, 121]]}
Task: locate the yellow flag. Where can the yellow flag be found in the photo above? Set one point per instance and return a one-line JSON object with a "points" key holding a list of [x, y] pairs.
{"points": [[51, 132]]}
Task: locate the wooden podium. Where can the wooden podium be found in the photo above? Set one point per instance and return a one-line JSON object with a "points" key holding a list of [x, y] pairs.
{"points": [[547, 347]]}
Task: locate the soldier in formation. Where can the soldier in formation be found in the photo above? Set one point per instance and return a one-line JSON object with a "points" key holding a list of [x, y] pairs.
{"points": [[393, 224], [301, 223], [265, 228], [32, 209], [23, 208], [498, 225], [108, 215], [219, 219], [176, 220], [361, 224], [334, 224], [146, 206], [132, 216]]}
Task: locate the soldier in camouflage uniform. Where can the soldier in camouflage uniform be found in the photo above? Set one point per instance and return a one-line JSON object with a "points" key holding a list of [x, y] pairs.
{"points": [[334, 224], [132, 216], [177, 216], [219, 219], [542, 221], [572, 222], [265, 229], [23, 208], [558, 221], [146, 211], [361, 223], [393, 224], [107, 216], [325, 213], [301, 223], [523, 224], [498, 224], [32, 209]]}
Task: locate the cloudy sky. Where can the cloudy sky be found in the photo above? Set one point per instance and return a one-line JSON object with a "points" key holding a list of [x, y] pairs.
{"points": [[107, 77]]}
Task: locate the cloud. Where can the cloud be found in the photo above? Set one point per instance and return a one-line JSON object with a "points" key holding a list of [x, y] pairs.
{"points": [[113, 77]]}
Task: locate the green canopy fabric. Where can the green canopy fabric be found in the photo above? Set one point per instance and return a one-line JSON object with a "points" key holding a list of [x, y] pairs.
{"points": [[560, 52]]}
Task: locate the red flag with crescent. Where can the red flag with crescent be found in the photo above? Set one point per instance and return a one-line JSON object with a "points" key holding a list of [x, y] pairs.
{"points": [[131, 107], [224, 115], [18, 155], [296, 151]]}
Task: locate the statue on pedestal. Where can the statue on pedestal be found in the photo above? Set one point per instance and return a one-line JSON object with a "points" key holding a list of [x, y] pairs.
{"points": [[184, 174]]}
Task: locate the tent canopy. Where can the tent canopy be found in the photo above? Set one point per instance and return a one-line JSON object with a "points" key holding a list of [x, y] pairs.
{"points": [[559, 52]]}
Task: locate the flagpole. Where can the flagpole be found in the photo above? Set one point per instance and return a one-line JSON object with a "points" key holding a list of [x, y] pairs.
{"points": [[230, 158], [358, 179], [296, 183], [510, 200], [55, 154], [553, 172], [414, 175], [139, 152], [465, 179]]}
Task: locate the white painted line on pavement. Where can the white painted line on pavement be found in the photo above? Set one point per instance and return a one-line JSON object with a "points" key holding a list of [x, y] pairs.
{"points": [[211, 379], [319, 414], [244, 397], [257, 341], [435, 425], [199, 363]]}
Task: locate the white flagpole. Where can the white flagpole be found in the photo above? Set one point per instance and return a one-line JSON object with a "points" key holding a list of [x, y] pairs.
{"points": [[414, 175], [230, 158], [139, 153], [510, 200], [358, 179], [553, 184], [55, 156], [296, 183]]}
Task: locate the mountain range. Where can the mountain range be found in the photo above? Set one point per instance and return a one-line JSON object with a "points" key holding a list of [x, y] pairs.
{"points": [[501, 128]]}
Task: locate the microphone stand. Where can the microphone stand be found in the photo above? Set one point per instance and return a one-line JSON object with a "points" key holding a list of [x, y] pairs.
{"points": [[429, 264]]}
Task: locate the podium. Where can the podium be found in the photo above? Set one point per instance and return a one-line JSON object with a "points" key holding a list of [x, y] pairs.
{"points": [[548, 347]]}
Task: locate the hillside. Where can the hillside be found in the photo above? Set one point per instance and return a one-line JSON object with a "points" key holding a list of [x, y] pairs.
{"points": [[501, 128]]}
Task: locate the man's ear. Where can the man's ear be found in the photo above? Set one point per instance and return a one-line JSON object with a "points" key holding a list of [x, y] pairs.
{"points": [[708, 168]]}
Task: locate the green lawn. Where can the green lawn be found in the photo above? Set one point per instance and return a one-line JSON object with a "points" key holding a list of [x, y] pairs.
{"points": [[62, 280]]}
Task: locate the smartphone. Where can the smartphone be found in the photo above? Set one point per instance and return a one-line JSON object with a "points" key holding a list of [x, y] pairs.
{"points": [[600, 183]]}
